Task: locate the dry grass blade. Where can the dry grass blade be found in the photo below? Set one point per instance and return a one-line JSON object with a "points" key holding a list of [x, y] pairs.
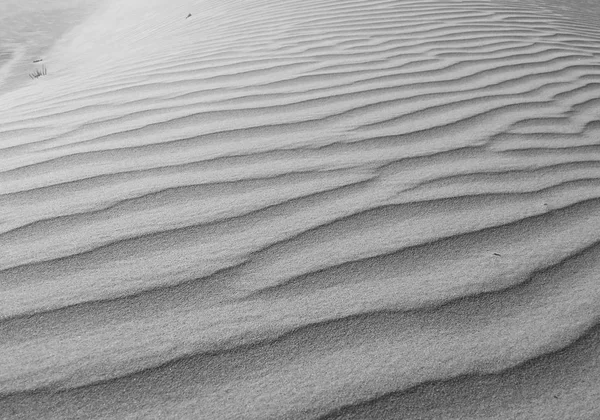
{"points": [[39, 72]]}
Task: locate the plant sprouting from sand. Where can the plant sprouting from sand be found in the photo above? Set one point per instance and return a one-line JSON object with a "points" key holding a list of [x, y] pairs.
{"points": [[39, 72]]}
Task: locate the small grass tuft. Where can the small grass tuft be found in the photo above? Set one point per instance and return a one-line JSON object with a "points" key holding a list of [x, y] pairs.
{"points": [[39, 72]]}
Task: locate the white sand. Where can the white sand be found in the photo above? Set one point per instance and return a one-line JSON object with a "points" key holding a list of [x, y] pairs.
{"points": [[295, 209], [28, 28]]}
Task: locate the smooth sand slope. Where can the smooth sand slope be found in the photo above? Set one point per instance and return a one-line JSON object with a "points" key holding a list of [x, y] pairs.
{"points": [[28, 28], [305, 209]]}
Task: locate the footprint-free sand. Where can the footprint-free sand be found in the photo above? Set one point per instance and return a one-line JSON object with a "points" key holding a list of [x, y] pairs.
{"points": [[318, 209]]}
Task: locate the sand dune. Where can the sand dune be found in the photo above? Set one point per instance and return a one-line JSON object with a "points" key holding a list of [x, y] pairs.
{"points": [[334, 209]]}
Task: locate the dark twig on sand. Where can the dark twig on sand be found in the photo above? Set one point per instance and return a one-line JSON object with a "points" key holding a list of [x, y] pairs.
{"points": [[39, 73]]}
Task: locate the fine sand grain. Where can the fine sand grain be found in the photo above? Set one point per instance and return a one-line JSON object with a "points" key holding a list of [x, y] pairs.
{"points": [[304, 209]]}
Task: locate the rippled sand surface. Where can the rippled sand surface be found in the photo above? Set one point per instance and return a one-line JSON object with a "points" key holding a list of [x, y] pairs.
{"points": [[285, 209]]}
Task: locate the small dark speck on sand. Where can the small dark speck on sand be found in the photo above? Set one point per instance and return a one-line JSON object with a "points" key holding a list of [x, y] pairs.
{"points": [[188, 16], [496, 254], [38, 60]]}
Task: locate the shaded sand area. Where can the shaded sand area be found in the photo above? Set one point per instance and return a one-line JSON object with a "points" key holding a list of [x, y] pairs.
{"points": [[332, 209]]}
